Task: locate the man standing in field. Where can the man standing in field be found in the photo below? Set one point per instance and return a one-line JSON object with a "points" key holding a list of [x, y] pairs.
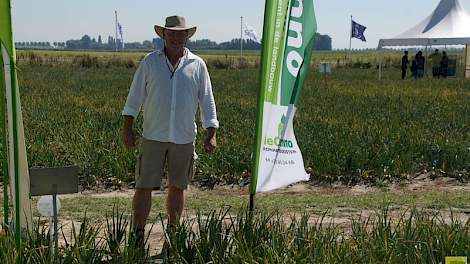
{"points": [[404, 65], [420, 64], [168, 86], [436, 58]]}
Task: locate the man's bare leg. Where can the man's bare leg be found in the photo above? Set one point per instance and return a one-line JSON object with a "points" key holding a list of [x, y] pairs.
{"points": [[141, 205], [174, 204]]}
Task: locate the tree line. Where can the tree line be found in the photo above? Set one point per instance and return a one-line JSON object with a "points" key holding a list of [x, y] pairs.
{"points": [[323, 42]]}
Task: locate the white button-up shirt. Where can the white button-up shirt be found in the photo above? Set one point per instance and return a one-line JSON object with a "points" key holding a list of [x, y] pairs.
{"points": [[169, 97]]}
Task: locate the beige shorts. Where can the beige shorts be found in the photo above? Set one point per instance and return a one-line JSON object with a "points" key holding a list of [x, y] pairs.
{"points": [[151, 163]]}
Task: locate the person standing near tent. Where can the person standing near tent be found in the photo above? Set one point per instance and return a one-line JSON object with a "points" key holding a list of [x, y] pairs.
{"points": [[444, 65], [168, 85], [420, 64], [436, 63], [414, 68], [404, 65]]}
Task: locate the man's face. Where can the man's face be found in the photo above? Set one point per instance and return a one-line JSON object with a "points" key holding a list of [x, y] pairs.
{"points": [[175, 38]]}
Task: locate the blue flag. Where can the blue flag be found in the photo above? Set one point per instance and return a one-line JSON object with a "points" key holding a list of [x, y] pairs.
{"points": [[121, 34], [357, 31]]}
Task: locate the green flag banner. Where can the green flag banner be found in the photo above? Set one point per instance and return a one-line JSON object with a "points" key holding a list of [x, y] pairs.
{"points": [[288, 39], [13, 144]]}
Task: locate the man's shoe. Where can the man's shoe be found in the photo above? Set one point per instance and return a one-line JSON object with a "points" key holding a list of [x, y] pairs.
{"points": [[165, 252], [137, 238]]}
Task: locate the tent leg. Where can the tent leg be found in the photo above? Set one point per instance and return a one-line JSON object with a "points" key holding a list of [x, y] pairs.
{"points": [[426, 62], [379, 55], [466, 73]]}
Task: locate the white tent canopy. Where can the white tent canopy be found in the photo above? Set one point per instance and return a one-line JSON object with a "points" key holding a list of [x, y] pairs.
{"points": [[449, 24]]}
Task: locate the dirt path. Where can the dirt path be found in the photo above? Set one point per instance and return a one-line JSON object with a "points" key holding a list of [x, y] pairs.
{"points": [[421, 182]]}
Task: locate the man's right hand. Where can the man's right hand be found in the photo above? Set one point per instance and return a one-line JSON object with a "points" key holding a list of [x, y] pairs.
{"points": [[128, 137], [128, 133]]}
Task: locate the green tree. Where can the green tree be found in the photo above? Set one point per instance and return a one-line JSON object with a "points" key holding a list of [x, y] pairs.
{"points": [[85, 42]]}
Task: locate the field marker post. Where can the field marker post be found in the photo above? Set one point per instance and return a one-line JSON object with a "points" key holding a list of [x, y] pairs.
{"points": [[56, 236]]}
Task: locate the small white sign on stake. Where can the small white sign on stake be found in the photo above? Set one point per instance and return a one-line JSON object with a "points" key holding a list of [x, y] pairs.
{"points": [[46, 209]]}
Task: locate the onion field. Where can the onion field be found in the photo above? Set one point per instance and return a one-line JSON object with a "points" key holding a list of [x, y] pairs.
{"points": [[351, 127]]}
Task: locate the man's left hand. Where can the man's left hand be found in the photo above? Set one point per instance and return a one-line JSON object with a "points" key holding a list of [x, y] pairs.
{"points": [[210, 143]]}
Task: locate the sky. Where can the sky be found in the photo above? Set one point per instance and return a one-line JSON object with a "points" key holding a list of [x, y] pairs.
{"points": [[218, 20]]}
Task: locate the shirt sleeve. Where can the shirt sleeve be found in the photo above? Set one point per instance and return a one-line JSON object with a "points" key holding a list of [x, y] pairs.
{"points": [[137, 92], [206, 99]]}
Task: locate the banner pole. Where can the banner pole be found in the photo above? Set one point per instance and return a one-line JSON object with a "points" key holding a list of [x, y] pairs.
{"points": [[350, 39], [260, 103], [4, 153], [16, 158]]}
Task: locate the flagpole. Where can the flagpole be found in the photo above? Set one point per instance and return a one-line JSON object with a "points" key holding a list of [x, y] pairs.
{"points": [[116, 30], [241, 38], [350, 38]]}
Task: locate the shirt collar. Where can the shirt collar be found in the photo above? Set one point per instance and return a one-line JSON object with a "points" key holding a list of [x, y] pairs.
{"points": [[161, 52], [187, 53]]}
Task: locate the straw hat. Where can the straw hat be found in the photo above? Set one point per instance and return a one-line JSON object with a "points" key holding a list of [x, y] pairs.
{"points": [[175, 23]]}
